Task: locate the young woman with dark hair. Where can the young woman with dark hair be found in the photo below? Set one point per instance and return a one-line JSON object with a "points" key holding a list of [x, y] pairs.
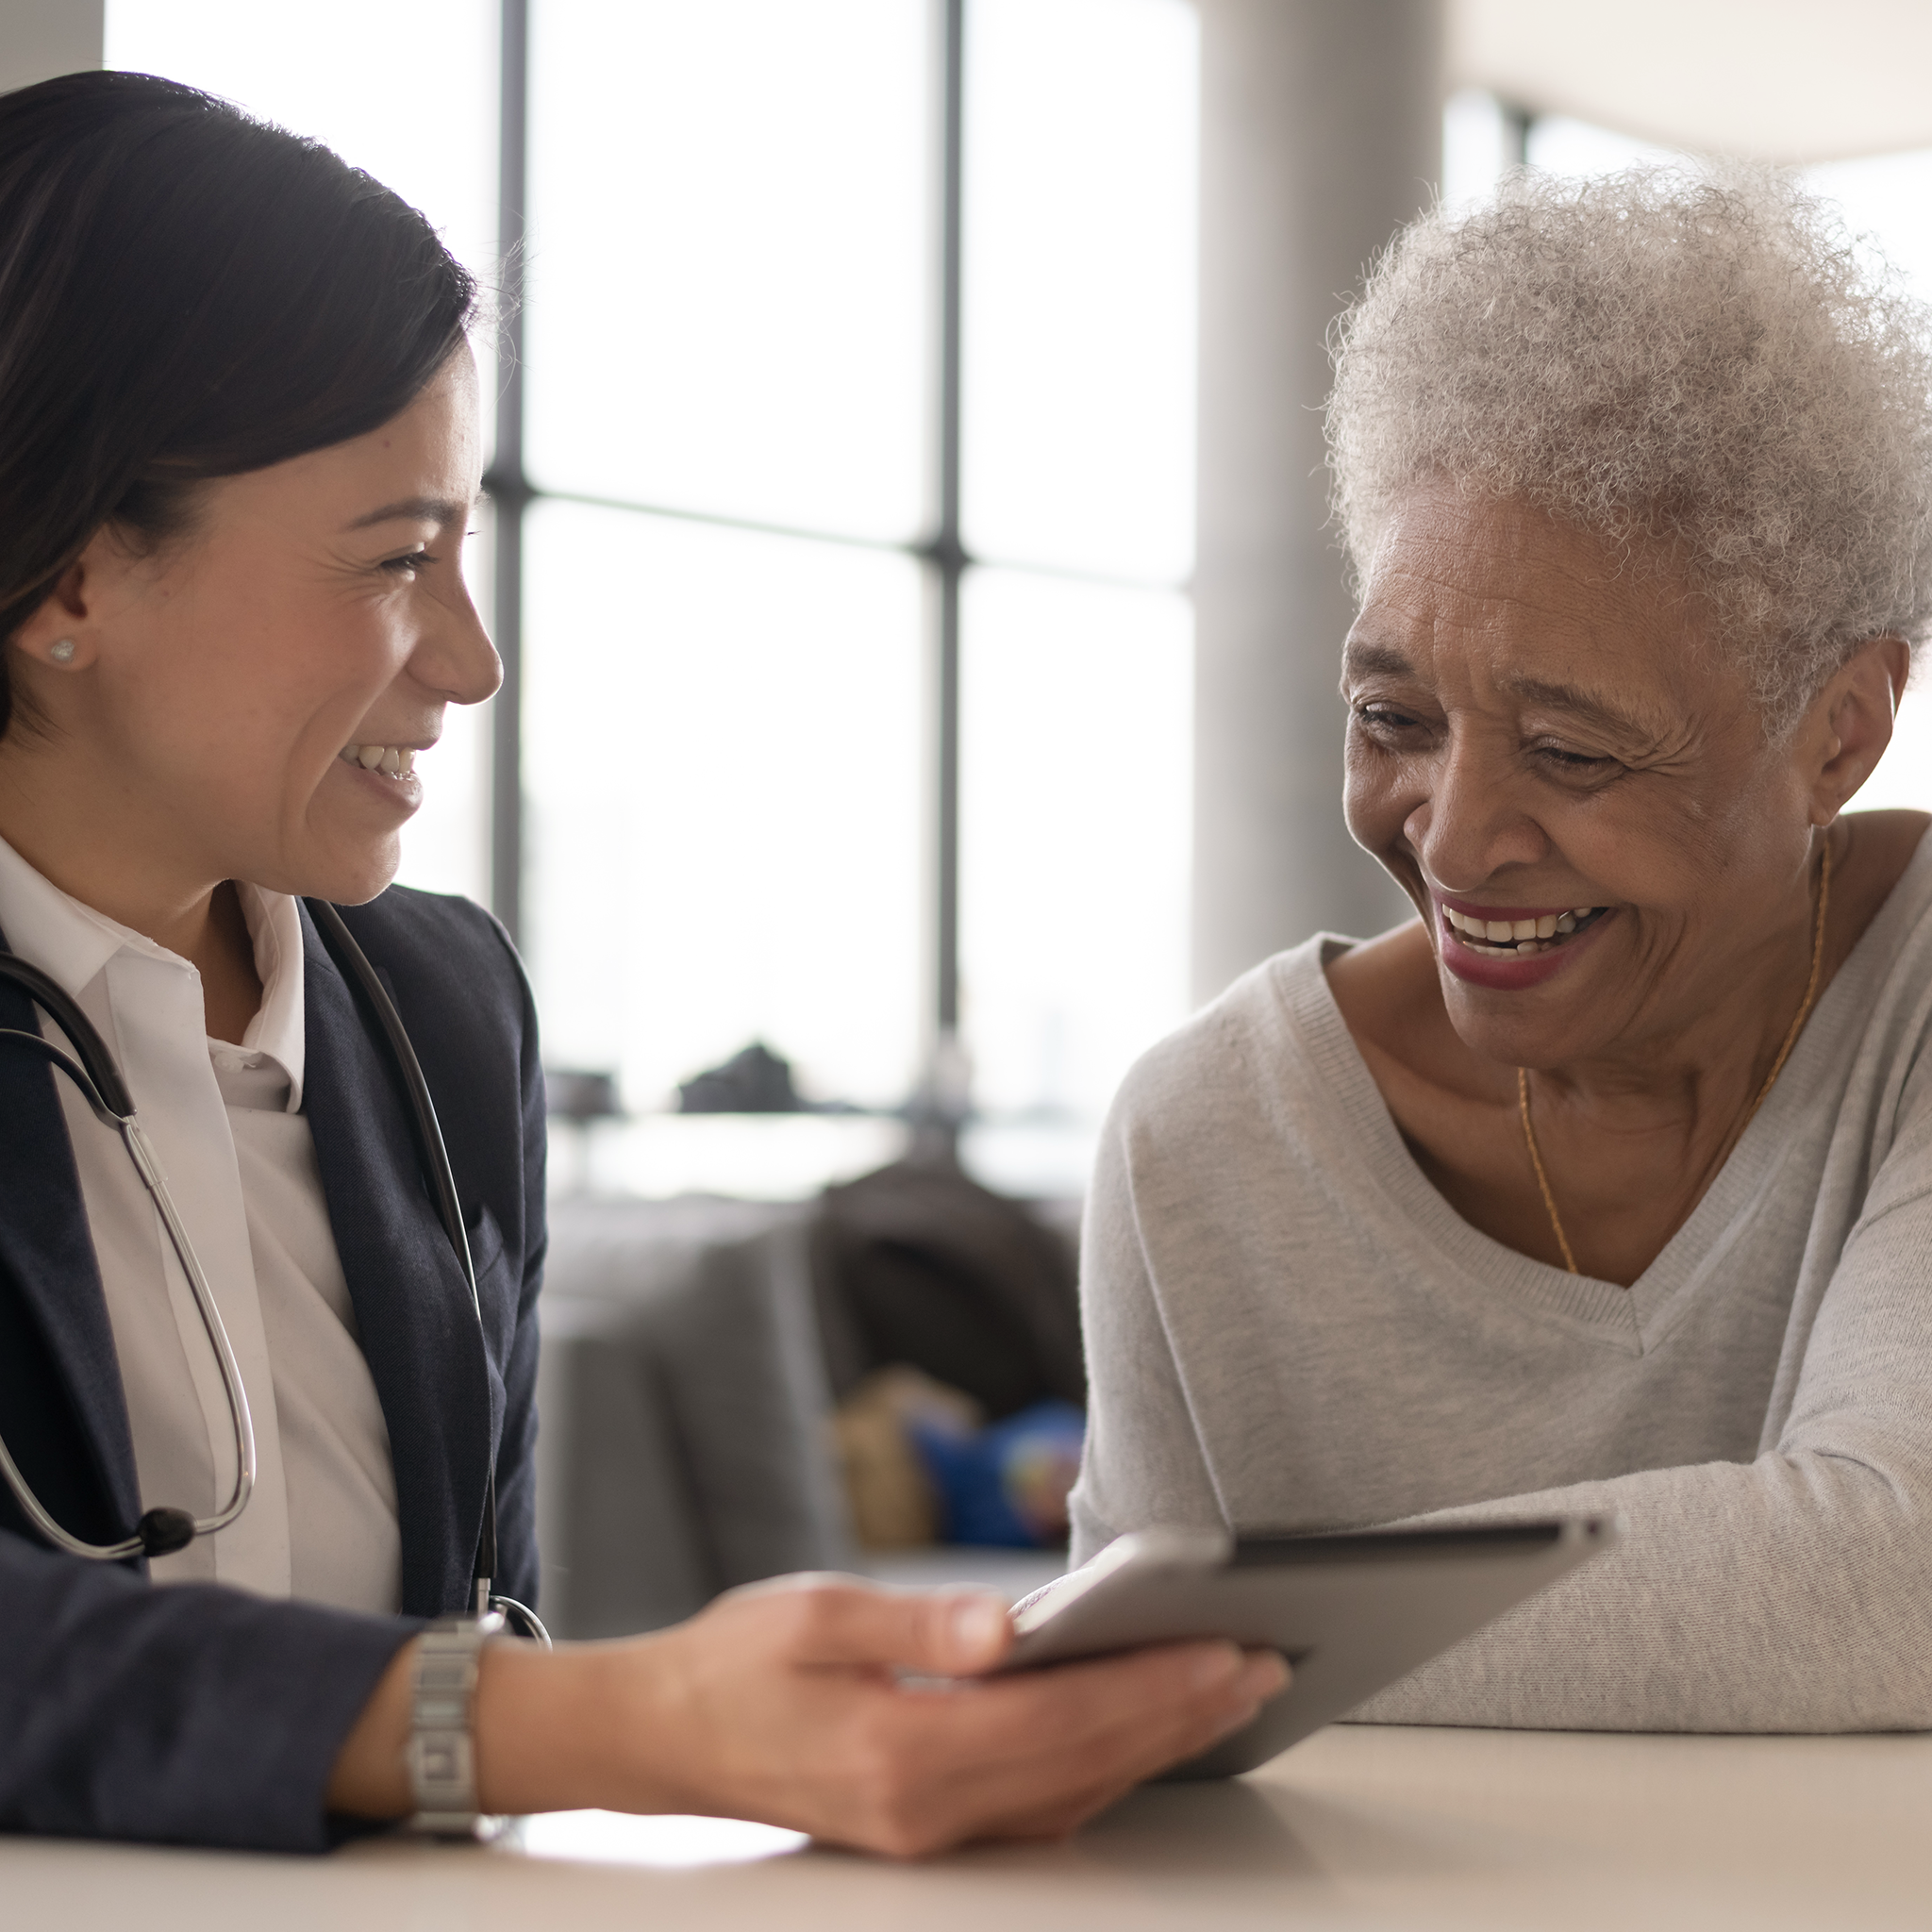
{"points": [[238, 452]]}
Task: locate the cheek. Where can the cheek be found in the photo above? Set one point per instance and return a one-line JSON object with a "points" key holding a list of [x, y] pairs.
{"points": [[1685, 862], [248, 718], [1378, 794]]}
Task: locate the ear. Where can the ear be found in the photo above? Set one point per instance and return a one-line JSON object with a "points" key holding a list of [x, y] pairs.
{"points": [[56, 636], [1848, 724]]}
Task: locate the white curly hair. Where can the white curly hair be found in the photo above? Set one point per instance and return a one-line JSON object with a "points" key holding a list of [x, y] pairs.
{"points": [[1703, 357]]}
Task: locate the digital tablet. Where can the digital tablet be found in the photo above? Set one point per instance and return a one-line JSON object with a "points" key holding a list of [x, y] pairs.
{"points": [[1351, 1612]]}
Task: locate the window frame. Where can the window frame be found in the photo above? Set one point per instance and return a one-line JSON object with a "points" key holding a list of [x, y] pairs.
{"points": [[938, 1101]]}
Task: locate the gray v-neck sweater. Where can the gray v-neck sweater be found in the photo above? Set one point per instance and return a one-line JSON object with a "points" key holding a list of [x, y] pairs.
{"points": [[1288, 1326]]}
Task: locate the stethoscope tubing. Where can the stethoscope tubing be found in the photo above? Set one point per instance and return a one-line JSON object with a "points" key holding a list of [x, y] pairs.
{"points": [[99, 1080], [160, 1530]]}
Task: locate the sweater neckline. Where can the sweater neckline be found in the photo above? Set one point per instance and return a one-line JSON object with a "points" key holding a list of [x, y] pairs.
{"points": [[1638, 1317]]}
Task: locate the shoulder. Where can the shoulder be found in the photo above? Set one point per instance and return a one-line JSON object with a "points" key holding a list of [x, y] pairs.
{"points": [[458, 984], [1883, 971], [431, 926], [1246, 1053], [440, 944]]}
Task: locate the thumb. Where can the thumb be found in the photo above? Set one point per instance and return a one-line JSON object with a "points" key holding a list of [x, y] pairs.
{"points": [[948, 1632]]}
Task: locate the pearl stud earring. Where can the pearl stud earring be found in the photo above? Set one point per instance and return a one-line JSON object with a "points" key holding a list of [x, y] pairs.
{"points": [[63, 653]]}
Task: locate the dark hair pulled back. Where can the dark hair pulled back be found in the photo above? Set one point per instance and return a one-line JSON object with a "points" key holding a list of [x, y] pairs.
{"points": [[186, 293]]}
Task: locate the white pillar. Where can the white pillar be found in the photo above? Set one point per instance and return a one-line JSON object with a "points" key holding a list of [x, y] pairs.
{"points": [[1321, 132], [40, 39]]}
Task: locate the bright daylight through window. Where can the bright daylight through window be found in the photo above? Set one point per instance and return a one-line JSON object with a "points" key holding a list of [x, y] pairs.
{"points": [[738, 569]]}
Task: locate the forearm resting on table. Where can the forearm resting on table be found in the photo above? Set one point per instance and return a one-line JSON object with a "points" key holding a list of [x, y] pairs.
{"points": [[785, 1703], [537, 1717]]}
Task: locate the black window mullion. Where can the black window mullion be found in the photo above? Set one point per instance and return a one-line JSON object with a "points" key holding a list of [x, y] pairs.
{"points": [[1516, 121], [943, 552]]}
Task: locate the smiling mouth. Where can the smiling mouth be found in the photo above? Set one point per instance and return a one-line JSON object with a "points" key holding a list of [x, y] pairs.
{"points": [[1518, 939], [392, 760]]}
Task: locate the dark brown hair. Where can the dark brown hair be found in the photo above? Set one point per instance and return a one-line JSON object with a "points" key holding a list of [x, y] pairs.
{"points": [[185, 293]]}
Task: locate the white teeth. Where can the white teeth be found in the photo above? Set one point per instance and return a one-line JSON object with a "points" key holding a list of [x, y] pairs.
{"points": [[1515, 938], [392, 760]]}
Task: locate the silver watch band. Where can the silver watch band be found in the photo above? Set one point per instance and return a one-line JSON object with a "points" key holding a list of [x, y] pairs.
{"points": [[442, 1755]]}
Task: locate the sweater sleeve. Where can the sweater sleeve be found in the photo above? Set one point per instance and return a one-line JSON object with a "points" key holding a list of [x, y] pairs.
{"points": [[189, 1715], [1142, 1463], [1790, 1594], [1791, 1591]]}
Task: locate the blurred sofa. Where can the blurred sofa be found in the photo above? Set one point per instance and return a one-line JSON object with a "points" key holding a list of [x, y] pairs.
{"points": [[684, 1411], [692, 1360]]}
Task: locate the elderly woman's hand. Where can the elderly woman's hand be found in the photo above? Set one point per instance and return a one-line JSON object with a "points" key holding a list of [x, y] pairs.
{"points": [[786, 1702]]}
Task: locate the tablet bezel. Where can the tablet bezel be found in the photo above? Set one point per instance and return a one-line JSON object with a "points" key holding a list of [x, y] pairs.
{"points": [[1354, 1610]]}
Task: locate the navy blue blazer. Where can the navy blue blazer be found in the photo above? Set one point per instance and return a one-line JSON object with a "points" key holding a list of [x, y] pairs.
{"points": [[203, 1715]]}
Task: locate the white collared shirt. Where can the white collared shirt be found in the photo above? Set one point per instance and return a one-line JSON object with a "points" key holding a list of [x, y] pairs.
{"points": [[226, 1126]]}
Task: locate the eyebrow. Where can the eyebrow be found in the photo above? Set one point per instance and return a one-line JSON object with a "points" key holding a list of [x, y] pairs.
{"points": [[416, 509], [1369, 660], [1600, 712]]}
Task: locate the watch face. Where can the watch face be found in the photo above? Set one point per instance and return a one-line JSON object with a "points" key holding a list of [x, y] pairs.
{"points": [[441, 1756]]}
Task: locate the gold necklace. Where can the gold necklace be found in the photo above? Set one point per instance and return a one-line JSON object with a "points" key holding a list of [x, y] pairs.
{"points": [[1777, 1066]]}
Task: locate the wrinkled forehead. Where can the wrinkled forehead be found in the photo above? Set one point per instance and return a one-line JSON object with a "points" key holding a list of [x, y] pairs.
{"points": [[1498, 588]]}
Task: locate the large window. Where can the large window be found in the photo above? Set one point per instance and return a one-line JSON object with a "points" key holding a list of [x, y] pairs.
{"points": [[843, 520]]}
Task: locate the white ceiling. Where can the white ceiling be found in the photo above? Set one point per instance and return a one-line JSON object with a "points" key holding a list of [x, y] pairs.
{"points": [[1786, 80]]}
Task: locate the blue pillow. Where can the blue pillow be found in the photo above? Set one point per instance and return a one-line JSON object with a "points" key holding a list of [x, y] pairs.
{"points": [[1004, 1486]]}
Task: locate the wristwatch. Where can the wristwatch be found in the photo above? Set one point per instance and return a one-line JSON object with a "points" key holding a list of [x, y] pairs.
{"points": [[441, 1754]]}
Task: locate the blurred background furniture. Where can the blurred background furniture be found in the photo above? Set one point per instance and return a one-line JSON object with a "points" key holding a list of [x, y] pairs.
{"points": [[685, 1411], [692, 1362]]}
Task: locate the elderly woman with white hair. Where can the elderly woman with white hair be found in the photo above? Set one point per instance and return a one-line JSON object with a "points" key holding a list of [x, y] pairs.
{"points": [[1604, 1185]]}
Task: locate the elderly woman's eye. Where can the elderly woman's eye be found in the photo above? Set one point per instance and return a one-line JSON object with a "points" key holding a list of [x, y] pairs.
{"points": [[411, 563], [1384, 717], [1568, 760]]}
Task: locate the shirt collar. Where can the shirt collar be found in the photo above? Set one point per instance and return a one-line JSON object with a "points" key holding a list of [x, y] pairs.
{"points": [[275, 925], [72, 943]]}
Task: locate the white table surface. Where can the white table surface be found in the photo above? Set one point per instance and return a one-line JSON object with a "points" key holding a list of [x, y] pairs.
{"points": [[1358, 1827]]}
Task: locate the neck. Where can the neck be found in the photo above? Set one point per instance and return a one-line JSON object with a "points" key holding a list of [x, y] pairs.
{"points": [[110, 862]]}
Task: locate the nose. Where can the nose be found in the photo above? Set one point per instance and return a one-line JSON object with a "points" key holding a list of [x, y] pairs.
{"points": [[453, 657], [1469, 823]]}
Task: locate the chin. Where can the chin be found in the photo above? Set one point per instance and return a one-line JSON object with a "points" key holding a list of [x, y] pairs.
{"points": [[354, 879], [1514, 1037]]}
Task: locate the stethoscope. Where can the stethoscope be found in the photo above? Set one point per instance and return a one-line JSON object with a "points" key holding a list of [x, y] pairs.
{"points": [[161, 1531]]}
